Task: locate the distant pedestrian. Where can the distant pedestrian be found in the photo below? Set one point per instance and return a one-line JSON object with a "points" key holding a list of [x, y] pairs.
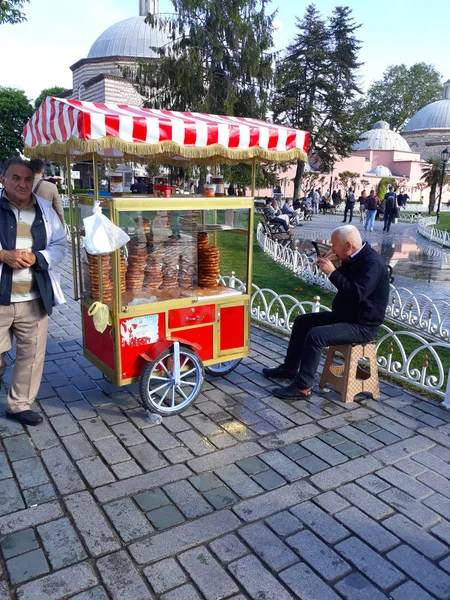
{"points": [[349, 205], [390, 208], [315, 202], [362, 205], [45, 189], [372, 204]]}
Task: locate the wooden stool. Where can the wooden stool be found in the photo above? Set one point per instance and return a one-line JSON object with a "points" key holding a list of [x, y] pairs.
{"points": [[349, 379]]}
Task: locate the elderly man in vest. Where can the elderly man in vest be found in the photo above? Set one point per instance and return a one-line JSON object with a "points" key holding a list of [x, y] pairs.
{"points": [[32, 242]]}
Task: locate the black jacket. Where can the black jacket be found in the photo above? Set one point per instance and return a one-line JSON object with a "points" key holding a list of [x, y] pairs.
{"points": [[363, 289]]}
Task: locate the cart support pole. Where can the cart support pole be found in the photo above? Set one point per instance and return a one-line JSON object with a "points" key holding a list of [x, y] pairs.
{"points": [[96, 198], [72, 227], [250, 231]]}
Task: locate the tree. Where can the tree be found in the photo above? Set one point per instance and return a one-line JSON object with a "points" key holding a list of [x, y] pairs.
{"points": [[218, 59], [398, 95], [15, 110], [383, 185], [240, 175], [10, 11], [55, 91], [346, 178], [432, 173], [316, 84]]}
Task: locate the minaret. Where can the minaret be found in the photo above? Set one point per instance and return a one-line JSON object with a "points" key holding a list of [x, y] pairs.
{"points": [[148, 6]]}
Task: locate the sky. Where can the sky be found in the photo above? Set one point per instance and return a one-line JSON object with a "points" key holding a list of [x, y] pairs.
{"points": [[37, 54]]}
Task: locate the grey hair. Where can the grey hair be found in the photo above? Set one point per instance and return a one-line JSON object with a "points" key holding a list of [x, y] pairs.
{"points": [[349, 233]]}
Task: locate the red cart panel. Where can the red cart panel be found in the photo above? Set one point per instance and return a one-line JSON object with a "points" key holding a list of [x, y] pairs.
{"points": [[136, 335], [100, 344], [203, 336], [195, 315], [232, 321]]}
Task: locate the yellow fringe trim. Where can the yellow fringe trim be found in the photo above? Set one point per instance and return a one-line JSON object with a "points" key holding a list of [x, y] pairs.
{"points": [[164, 152]]}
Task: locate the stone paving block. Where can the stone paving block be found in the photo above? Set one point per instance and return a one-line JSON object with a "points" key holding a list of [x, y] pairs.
{"points": [[269, 480], [268, 546], [196, 443], [18, 543], [212, 580], [351, 416], [111, 414], [409, 591], [410, 507], [82, 410], [206, 426], [312, 464], [274, 501], [94, 471], [97, 593], [91, 524], [252, 465], [175, 424], [296, 434], [53, 407], [228, 548], [445, 564], [64, 425], [161, 438], [283, 465], [140, 483], [439, 504], [184, 537], [403, 449], [5, 471], [126, 469], [185, 592], [257, 580], [365, 501], [411, 467], [244, 414], [27, 566], [221, 497], [165, 575], [62, 471], [436, 482], [421, 570], [43, 436], [331, 502], [324, 451], [275, 419], [187, 499], [404, 482], [434, 462], [221, 458], [373, 484], [206, 482], [112, 451], [263, 428], [78, 446], [61, 543], [30, 517], [178, 455], [121, 577], [165, 517], [18, 447], [239, 481], [295, 452], [95, 429], [415, 536], [352, 433], [371, 564], [127, 519], [349, 471], [10, 497], [320, 556], [393, 427], [322, 524], [244, 433], [151, 499], [332, 438], [128, 434], [222, 440], [385, 437], [367, 529], [97, 397], [304, 583], [442, 531], [356, 587]]}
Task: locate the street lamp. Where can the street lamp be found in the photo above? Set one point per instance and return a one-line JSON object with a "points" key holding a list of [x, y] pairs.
{"points": [[445, 154]]}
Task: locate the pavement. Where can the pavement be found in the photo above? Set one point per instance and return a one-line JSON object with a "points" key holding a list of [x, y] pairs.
{"points": [[241, 496]]}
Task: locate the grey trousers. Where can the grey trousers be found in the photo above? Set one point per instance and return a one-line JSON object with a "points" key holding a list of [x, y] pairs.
{"points": [[27, 322]]}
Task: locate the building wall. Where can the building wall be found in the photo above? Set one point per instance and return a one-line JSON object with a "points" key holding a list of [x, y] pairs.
{"points": [[429, 144]]}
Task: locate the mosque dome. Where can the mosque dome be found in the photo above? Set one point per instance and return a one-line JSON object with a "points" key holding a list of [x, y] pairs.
{"points": [[432, 116], [131, 38], [380, 171], [381, 137]]}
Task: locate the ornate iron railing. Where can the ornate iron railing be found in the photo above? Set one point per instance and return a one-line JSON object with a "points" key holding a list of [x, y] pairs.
{"points": [[438, 236]]}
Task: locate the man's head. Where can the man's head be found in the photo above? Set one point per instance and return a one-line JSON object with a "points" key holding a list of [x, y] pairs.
{"points": [[350, 190], [37, 166], [18, 180], [372, 192], [268, 200], [390, 188], [274, 203], [345, 241]]}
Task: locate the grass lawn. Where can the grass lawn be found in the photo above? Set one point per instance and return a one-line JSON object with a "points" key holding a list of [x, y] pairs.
{"points": [[444, 221]]}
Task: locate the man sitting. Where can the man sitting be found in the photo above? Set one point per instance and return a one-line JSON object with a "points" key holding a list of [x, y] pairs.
{"points": [[357, 312], [291, 212], [270, 214]]}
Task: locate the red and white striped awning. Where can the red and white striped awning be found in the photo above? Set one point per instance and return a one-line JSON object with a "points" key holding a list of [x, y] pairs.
{"points": [[116, 131]]}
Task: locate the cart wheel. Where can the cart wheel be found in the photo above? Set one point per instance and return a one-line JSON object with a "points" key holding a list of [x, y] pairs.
{"points": [[173, 381], [222, 368]]}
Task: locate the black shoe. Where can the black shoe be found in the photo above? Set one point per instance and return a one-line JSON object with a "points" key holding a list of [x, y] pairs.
{"points": [[291, 392], [344, 221], [26, 417], [280, 372]]}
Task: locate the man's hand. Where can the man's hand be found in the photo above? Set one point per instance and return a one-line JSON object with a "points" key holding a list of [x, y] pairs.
{"points": [[17, 259], [325, 265]]}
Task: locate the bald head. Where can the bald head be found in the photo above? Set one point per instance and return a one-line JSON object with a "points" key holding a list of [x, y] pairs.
{"points": [[345, 241]]}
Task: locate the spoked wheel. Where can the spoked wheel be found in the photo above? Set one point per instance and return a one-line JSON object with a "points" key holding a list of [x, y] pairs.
{"points": [[173, 381], [222, 368]]}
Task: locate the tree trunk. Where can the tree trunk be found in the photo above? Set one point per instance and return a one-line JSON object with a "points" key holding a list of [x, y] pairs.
{"points": [[298, 178], [432, 199], [202, 181]]}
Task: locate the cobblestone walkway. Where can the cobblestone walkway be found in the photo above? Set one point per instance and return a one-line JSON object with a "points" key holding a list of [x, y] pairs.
{"points": [[243, 496]]}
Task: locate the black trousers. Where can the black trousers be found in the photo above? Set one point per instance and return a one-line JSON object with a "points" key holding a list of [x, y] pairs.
{"points": [[314, 331], [349, 206], [389, 216]]}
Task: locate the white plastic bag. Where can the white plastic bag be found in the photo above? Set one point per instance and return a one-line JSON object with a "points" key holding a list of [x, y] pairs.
{"points": [[102, 236]]}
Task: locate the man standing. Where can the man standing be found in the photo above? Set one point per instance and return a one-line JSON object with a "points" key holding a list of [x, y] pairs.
{"points": [[316, 201], [358, 311], [390, 208], [32, 242], [372, 204], [349, 205], [45, 189]]}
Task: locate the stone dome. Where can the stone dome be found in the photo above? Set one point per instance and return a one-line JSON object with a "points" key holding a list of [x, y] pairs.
{"points": [[380, 171], [131, 38], [432, 116], [381, 137]]}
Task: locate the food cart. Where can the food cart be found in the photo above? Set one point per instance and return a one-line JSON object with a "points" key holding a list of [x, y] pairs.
{"points": [[173, 308]]}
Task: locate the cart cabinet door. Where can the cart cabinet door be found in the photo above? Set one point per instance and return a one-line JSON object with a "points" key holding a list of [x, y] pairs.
{"points": [[232, 327], [194, 315]]}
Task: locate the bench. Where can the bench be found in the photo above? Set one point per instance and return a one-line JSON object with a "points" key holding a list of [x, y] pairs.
{"points": [[276, 233]]}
